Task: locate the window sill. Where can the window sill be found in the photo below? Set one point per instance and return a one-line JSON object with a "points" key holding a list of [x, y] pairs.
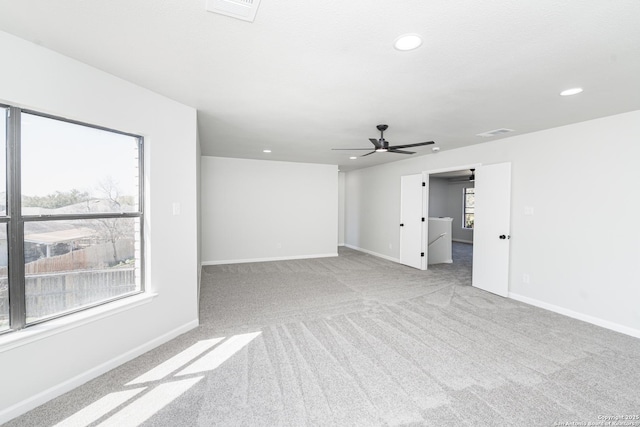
{"points": [[34, 333]]}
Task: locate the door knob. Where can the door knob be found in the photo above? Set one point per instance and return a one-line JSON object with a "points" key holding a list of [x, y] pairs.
{"points": [[503, 237], [401, 225]]}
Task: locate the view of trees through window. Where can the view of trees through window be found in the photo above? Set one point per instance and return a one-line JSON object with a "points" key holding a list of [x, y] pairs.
{"points": [[469, 207], [80, 203]]}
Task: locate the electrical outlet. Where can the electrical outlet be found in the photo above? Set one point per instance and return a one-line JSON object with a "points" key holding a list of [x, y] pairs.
{"points": [[526, 278]]}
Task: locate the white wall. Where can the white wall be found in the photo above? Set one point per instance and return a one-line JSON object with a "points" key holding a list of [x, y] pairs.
{"points": [[39, 79], [580, 248], [438, 197], [254, 210]]}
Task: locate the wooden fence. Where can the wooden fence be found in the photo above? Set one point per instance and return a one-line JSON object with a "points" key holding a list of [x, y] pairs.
{"points": [[92, 257], [52, 293]]}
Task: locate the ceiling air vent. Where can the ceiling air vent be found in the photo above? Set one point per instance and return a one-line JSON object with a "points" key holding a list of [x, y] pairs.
{"points": [[240, 9], [496, 132]]}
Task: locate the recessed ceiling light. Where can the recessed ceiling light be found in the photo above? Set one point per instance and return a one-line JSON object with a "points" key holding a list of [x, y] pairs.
{"points": [[569, 92], [352, 158], [266, 151], [408, 42]]}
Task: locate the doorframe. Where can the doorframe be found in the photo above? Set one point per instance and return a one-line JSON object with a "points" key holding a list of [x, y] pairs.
{"points": [[425, 205]]}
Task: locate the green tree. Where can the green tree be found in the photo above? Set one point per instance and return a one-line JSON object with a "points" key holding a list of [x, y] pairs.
{"points": [[56, 200]]}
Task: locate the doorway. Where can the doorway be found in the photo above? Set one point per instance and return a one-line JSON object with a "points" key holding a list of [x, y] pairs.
{"points": [[491, 222], [451, 218]]}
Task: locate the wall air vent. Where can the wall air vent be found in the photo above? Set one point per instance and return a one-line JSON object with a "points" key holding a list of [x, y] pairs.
{"points": [[240, 9], [496, 132]]}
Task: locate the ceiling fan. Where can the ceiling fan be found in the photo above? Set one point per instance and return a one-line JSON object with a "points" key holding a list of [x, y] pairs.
{"points": [[382, 145], [465, 178]]}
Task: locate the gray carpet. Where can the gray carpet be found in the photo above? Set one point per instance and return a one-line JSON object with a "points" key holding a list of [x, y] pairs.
{"points": [[357, 340]]}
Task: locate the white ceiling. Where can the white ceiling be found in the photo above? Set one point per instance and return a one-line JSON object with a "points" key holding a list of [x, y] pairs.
{"points": [[308, 76]]}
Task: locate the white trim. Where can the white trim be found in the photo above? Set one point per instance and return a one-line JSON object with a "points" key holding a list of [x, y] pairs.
{"points": [[58, 390], [462, 241], [11, 340], [340, 244], [374, 253], [284, 258], [577, 315]]}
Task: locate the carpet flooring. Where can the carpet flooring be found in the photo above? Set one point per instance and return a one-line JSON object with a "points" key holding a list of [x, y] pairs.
{"points": [[360, 341]]}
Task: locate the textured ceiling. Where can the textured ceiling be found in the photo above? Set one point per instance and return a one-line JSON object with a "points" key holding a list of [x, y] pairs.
{"points": [[306, 76]]}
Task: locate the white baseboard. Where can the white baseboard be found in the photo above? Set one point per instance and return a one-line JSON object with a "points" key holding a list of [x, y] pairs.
{"points": [[284, 258], [449, 261], [58, 390], [340, 244], [577, 315], [373, 253], [462, 241]]}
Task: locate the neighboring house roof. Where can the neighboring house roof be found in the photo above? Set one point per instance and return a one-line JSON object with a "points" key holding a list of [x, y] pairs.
{"points": [[60, 236], [90, 206]]}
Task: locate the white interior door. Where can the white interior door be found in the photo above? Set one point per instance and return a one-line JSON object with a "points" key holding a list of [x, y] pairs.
{"points": [[411, 225], [492, 218]]}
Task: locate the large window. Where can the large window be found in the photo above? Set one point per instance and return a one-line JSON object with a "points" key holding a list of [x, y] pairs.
{"points": [[4, 256], [468, 207], [71, 217]]}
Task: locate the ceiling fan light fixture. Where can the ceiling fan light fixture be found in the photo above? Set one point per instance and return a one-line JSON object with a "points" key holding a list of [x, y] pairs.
{"points": [[382, 150], [572, 91], [407, 42]]}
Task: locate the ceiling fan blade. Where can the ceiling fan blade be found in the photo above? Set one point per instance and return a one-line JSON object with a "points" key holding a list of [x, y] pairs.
{"points": [[351, 149], [400, 151], [375, 143], [368, 153], [412, 145]]}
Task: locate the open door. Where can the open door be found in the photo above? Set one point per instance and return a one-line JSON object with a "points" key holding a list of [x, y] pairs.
{"points": [[411, 224], [492, 220]]}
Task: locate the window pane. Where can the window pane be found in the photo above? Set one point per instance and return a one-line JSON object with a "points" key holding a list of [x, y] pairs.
{"points": [[468, 221], [74, 169], [70, 264], [468, 208], [3, 162], [4, 280], [469, 198]]}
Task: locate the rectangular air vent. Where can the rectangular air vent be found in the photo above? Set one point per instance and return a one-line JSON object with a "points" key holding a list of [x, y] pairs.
{"points": [[240, 9], [496, 132]]}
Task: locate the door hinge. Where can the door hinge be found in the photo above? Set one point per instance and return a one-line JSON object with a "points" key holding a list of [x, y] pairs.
{"points": [[422, 219], [424, 184], [421, 253]]}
